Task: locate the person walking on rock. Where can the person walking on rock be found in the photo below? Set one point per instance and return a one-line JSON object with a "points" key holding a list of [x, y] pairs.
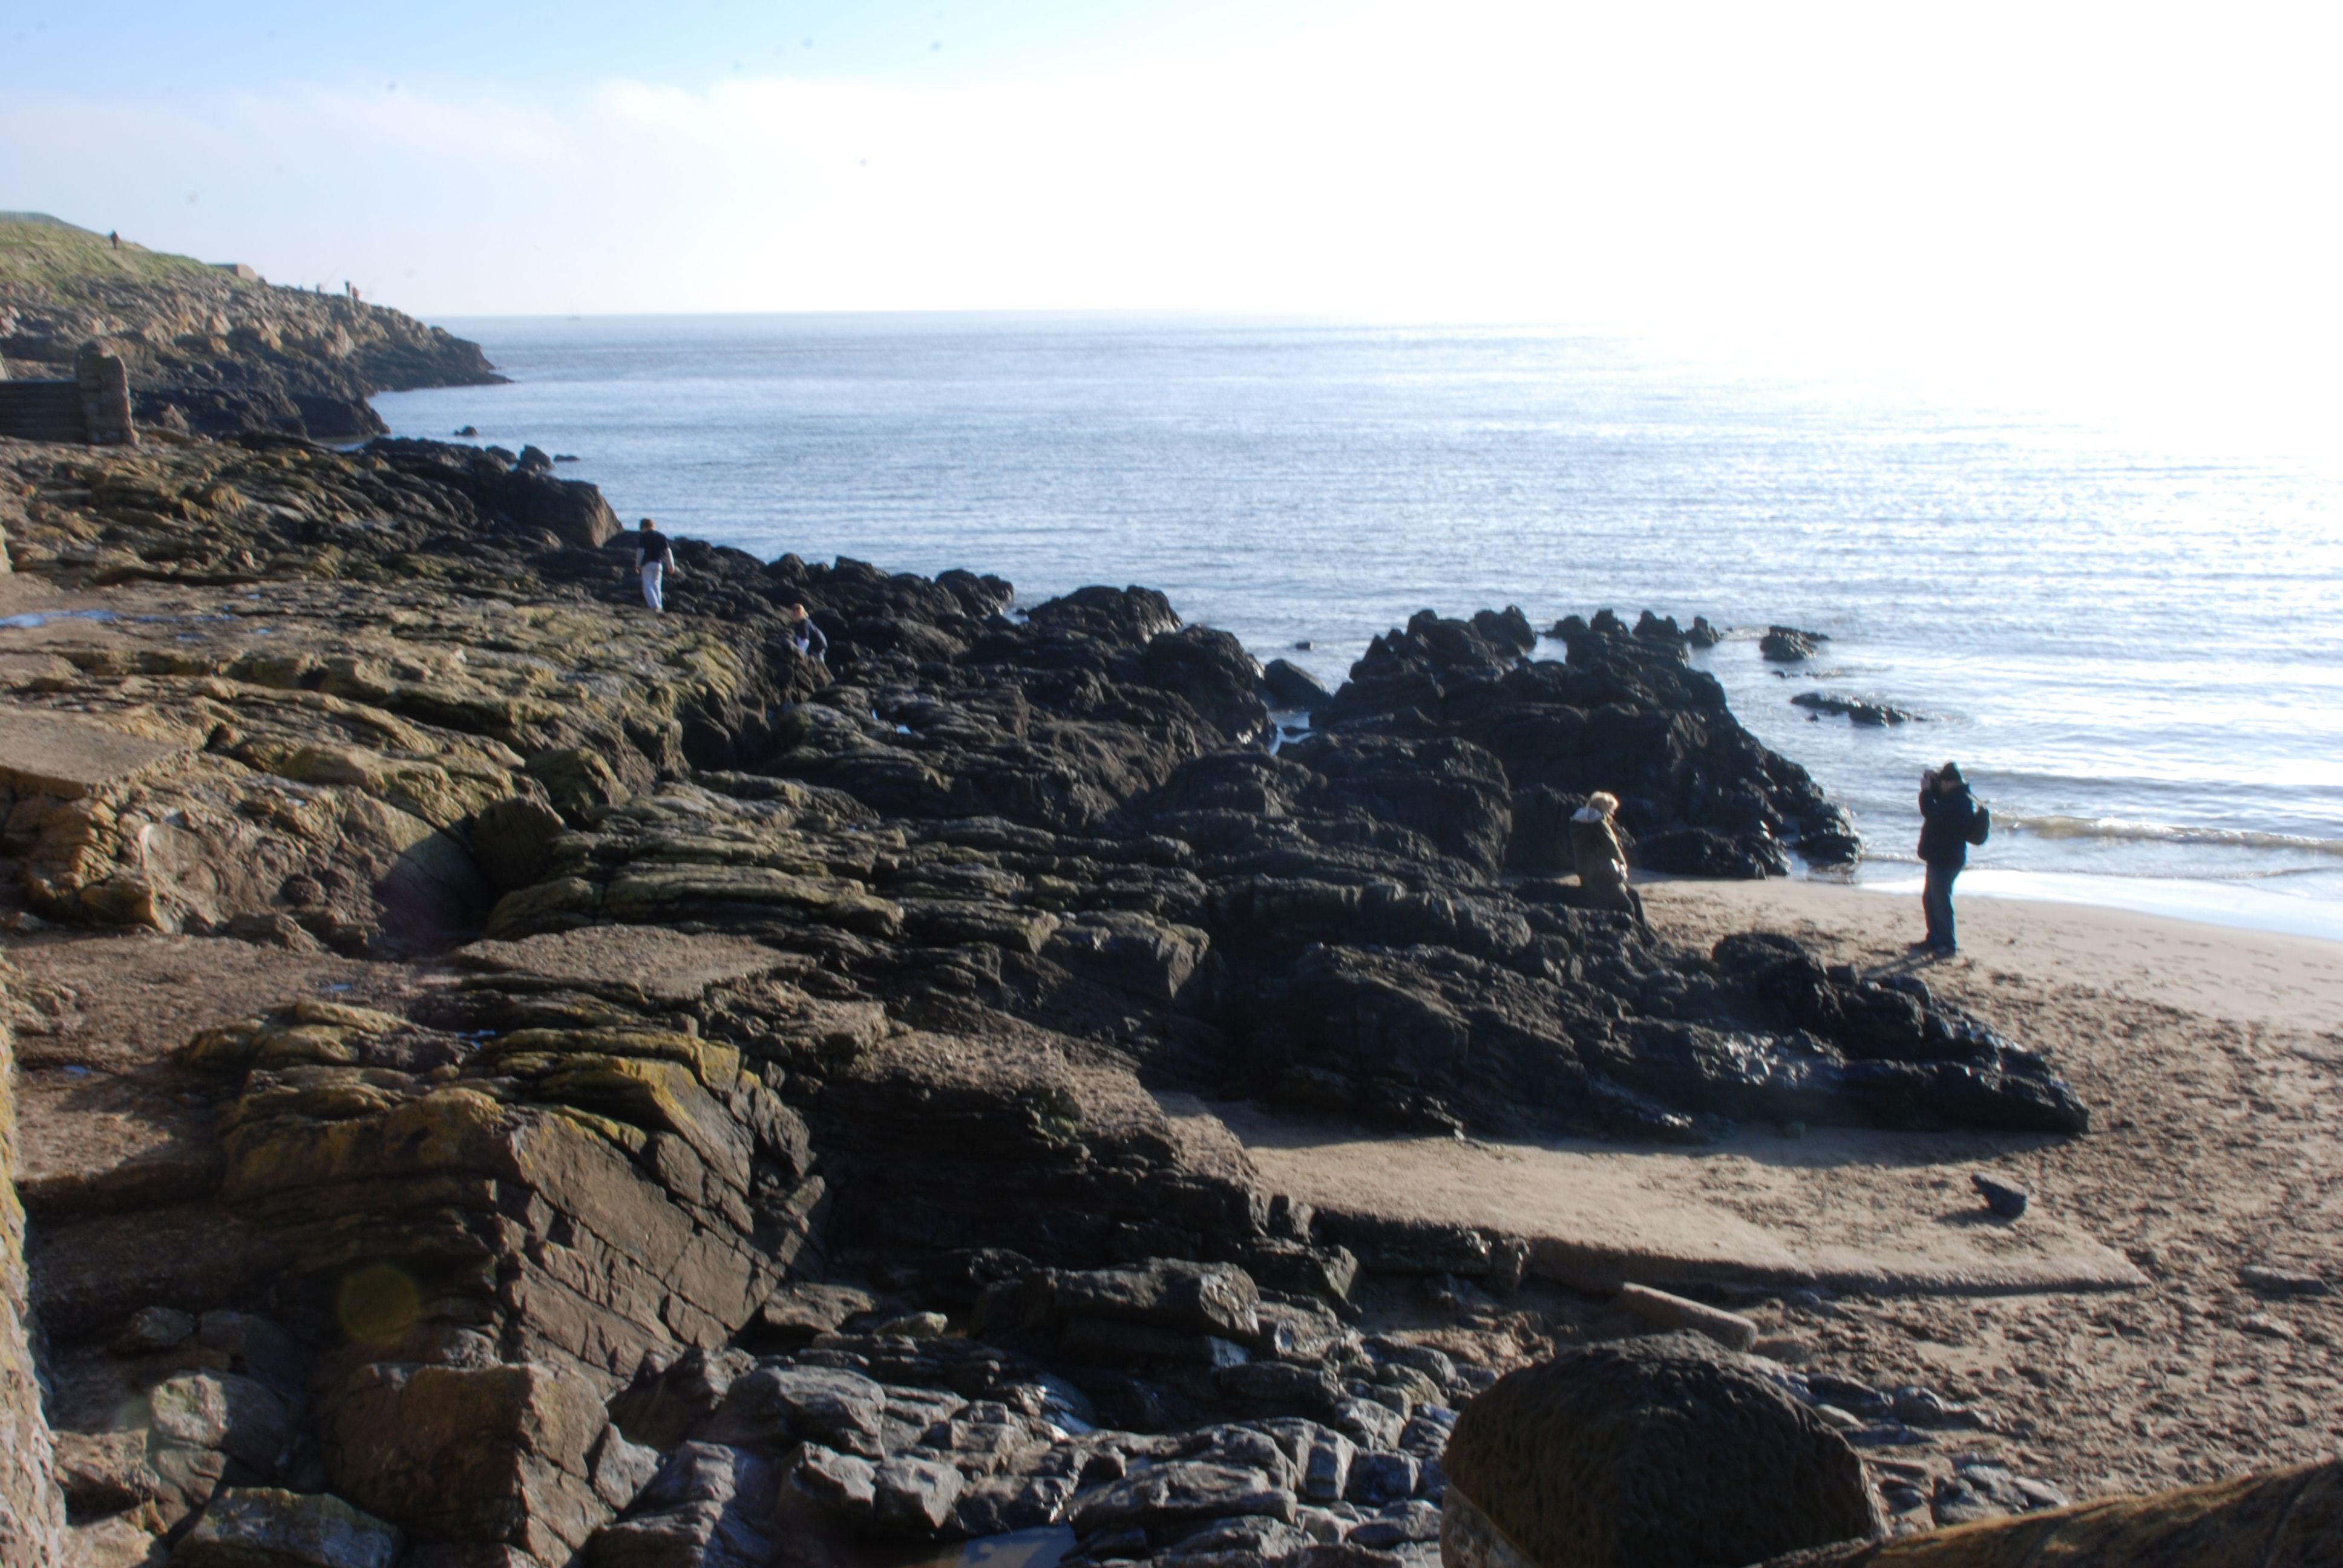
{"points": [[653, 555], [1601, 862], [806, 637], [1950, 821]]}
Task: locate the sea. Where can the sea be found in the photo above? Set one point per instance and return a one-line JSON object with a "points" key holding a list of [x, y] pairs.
{"points": [[2133, 648]]}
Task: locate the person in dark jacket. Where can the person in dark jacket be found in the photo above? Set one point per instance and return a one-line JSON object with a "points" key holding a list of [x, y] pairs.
{"points": [[806, 637], [1601, 862], [1948, 814], [654, 558]]}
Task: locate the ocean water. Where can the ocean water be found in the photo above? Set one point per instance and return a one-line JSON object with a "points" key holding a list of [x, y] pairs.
{"points": [[2136, 654]]}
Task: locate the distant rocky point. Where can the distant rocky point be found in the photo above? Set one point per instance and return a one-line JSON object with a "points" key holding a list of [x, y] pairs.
{"points": [[213, 348]]}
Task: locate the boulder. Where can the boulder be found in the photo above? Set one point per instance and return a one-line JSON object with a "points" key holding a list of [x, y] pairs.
{"points": [[1291, 686], [1217, 1300], [845, 1483], [1181, 1491], [709, 1506], [1788, 644], [264, 1527], [497, 1454], [667, 1406], [911, 1498], [778, 1404], [1211, 670], [220, 1411], [807, 1308], [1656, 1451], [105, 1472]]}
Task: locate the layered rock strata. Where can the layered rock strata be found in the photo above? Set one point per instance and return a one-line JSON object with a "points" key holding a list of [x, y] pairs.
{"points": [[752, 1125]]}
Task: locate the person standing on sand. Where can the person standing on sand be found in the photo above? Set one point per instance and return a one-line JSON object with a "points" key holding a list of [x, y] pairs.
{"points": [[653, 557], [806, 637], [1601, 862], [1950, 821]]}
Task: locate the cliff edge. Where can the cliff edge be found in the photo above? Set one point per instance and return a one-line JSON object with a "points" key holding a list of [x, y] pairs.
{"points": [[214, 349]]}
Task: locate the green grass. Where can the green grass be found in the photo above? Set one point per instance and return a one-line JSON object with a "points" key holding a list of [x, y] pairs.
{"points": [[66, 262]]}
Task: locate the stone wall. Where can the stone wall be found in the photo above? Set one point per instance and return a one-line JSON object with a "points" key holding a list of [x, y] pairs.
{"points": [[93, 409], [42, 411], [32, 1513]]}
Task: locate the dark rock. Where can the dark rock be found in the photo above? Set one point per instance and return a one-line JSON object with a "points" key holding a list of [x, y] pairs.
{"points": [[1656, 1452], [1400, 1524], [1326, 1466], [1380, 1479], [777, 1404], [1166, 1293], [667, 1406], [1706, 853], [233, 1415], [1507, 629], [1855, 709], [709, 1506], [1180, 1490], [1293, 686], [997, 1504], [913, 1497], [2005, 1199], [258, 1347], [1247, 1540], [845, 1483], [1788, 644], [153, 1329], [263, 1527]]}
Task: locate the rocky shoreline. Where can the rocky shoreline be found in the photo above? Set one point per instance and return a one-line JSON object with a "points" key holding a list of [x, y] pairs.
{"points": [[214, 349], [750, 1075]]}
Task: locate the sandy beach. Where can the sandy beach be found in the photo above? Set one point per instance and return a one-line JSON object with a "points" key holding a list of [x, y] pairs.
{"points": [[2212, 1059]]}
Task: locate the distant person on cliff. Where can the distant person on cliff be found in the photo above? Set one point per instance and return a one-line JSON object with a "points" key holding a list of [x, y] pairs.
{"points": [[653, 557], [113, 238], [1601, 862], [806, 637], [1950, 821]]}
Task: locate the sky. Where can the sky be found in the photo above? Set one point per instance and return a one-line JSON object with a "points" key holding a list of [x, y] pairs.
{"points": [[2135, 199]]}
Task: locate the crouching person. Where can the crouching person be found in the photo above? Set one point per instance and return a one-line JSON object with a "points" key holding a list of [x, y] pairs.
{"points": [[1601, 862]]}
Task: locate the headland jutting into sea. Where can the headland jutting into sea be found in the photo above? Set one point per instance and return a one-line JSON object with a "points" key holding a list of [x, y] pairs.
{"points": [[506, 1077]]}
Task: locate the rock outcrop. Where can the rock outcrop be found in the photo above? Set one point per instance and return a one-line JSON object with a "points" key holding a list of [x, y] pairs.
{"points": [[2288, 1518], [214, 349], [31, 1508], [756, 1124]]}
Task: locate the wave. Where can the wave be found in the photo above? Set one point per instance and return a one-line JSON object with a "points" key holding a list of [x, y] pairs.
{"points": [[2115, 829]]}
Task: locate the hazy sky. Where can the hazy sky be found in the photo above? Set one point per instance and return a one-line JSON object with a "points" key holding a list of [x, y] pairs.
{"points": [[2142, 197]]}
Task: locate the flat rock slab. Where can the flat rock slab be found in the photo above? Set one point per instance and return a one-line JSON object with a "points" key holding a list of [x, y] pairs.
{"points": [[1884, 1213], [47, 753], [665, 966]]}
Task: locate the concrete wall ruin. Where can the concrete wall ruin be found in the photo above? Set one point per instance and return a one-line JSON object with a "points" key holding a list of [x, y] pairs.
{"points": [[91, 409]]}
